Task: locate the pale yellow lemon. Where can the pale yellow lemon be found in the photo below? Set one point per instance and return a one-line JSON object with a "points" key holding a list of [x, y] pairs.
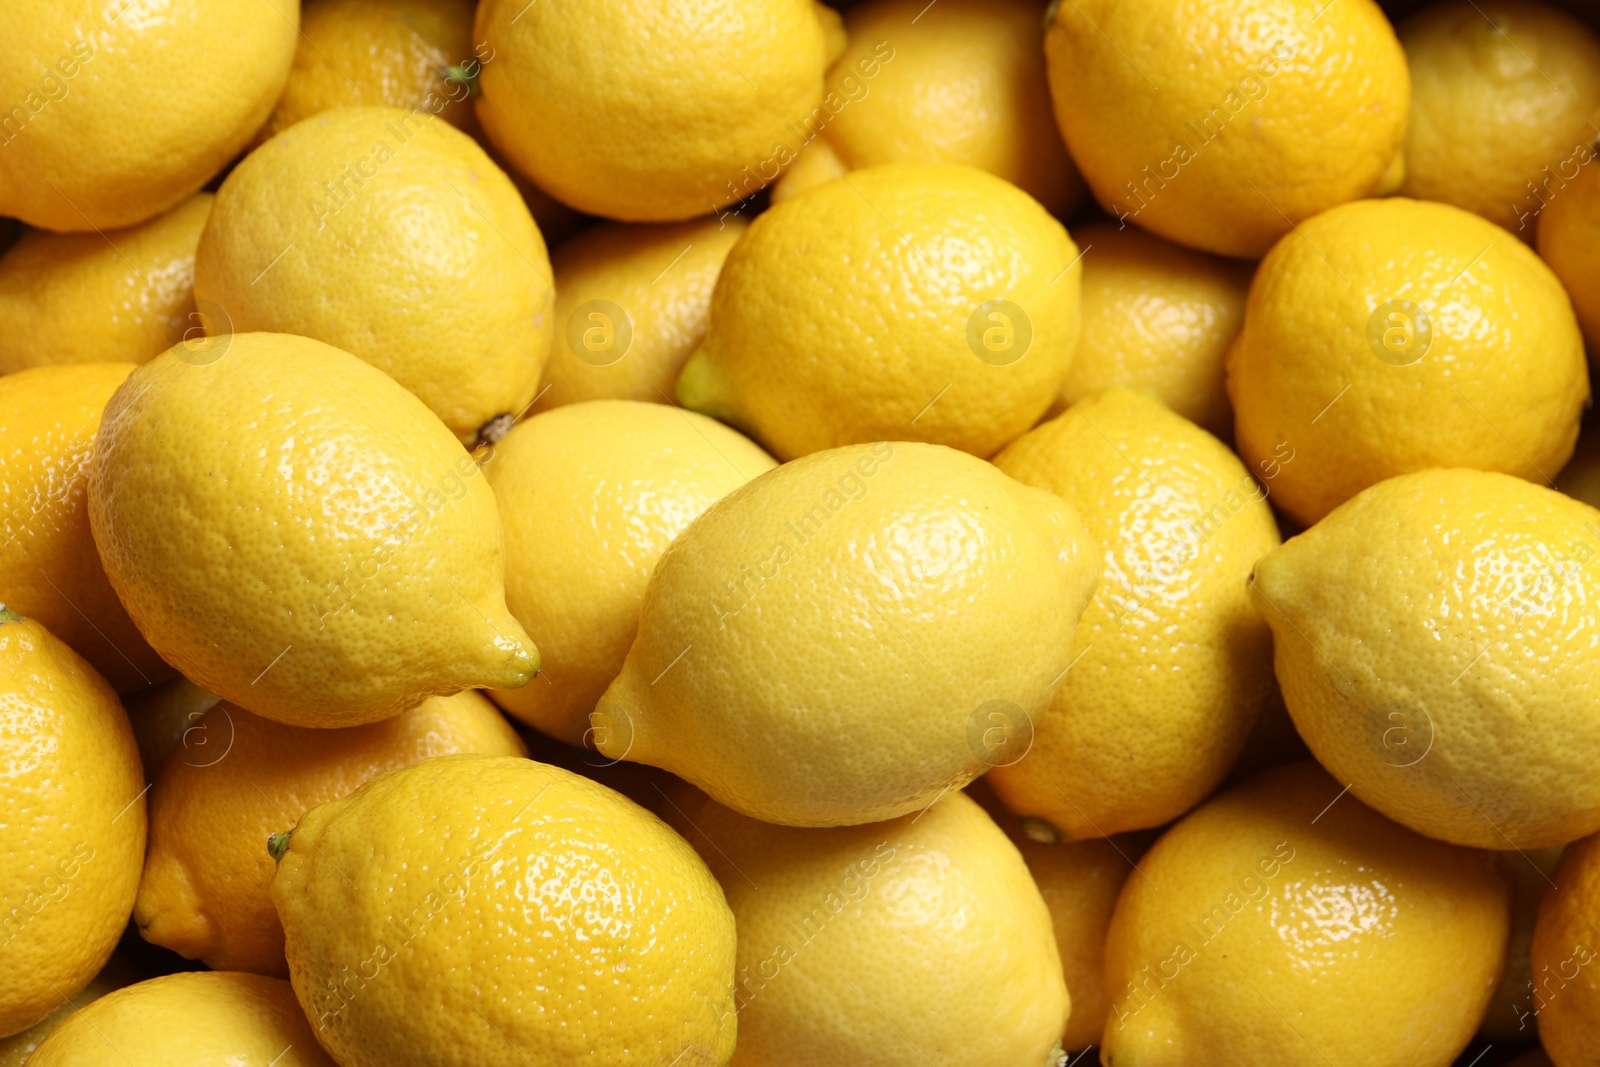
{"points": [[72, 822], [1156, 316], [1389, 336], [1220, 126], [1283, 922], [299, 535], [632, 301], [1565, 996], [118, 972], [1173, 665], [959, 82], [1569, 241], [1432, 644], [591, 495], [389, 234], [115, 113], [1505, 96], [190, 1019], [853, 634], [919, 940], [237, 778], [123, 296], [903, 302], [49, 567], [648, 112], [514, 913]]}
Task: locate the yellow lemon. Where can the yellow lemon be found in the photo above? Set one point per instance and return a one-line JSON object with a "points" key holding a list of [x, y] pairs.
{"points": [[111, 114], [191, 1019], [650, 112], [1565, 995], [1174, 666], [1502, 93], [1569, 241], [238, 778], [1389, 336], [1284, 923], [391, 235], [1511, 1016], [901, 302], [1220, 126], [852, 634], [1431, 641], [512, 913], [413, 54], [299, 535], [959, 82], [164, 716], [920, 940], [118, 972], [1156, 316], [72, 822], [49, 568], [591, 495], [631, 305], [123, 296]]}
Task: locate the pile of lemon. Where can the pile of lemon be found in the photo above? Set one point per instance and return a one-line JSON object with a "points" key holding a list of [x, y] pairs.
{"points": [[825, 612]]}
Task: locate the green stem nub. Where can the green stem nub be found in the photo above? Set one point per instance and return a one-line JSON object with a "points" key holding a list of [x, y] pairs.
{"points": [[7, 615], [278, 844], [465, 74], [1040, 831]]}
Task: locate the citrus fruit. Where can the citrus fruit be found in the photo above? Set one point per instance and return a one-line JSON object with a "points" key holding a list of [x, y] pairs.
{"points": [[591, 495], [1282, 922], [163, 719], [1431, 643], [124, 296], [1389, 336], [118, 972], [72, 822], [1569, 241], [847, 937], [1564, 997], [391, 235], [1174, 667], [819, 673], [903, 302], [650, 112], [514, 913], [49, 568], [299, 535]]}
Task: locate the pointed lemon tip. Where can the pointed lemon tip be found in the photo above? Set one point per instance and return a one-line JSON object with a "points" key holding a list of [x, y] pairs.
{"points": [[701, 387]]}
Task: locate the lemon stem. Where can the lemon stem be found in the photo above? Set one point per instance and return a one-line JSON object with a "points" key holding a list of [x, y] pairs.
{"points": [[278, 844], [465, 75], [7, 615]]}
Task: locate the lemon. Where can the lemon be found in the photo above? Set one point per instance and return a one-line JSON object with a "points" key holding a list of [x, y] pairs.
{"points": [[632, 301], [1281, 922], [1156, 316], [118, 972], [1389, 336], [49, 569], [189, 1019], [115, 113], [1511, 1015], [960, 82], [238, 778], [124, 296], [903, 302], [72, 822], [591, 495], [163, 715], [649, 112], [1501, 98], [413, 54], [512, 913], [1564, 998], [1221, 126], [1431, 644], [1174, 666], [819, 673], [921, 940], [391, 235], [1569, 241], [299, 535]]}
